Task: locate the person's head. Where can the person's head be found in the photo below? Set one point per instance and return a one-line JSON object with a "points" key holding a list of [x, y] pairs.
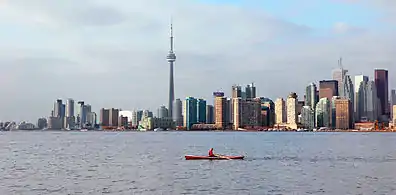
{"points": [[211, 148]]}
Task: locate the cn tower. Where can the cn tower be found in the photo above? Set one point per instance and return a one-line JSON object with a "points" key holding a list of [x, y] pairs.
{"points": [[171, 57]]}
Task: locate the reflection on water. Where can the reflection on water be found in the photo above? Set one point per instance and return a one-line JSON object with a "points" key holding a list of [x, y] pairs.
{"points": [[153, 163]]}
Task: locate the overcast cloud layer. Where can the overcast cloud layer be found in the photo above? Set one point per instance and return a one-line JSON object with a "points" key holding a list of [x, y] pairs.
{"points": [[113, 53]]}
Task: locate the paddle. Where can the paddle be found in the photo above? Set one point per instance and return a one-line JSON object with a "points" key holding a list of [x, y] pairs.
{"points": [[221, 156]]}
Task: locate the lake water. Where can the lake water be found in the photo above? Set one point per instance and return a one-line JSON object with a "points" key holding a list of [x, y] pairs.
{"points": [[153, 163]]}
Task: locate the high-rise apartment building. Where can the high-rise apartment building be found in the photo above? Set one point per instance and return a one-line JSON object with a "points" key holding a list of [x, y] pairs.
{"points": [[381, 83], [310, 96], [322, 113], [70, 107], [267, 112], [201, 109], [221, 118], [344, 113], [162, 112], [328, 89], [280, 111], [58, 108], [178, 112], [190, 112], [113, 117], [236, 91], [247, 113], [308, 117], [250, 91], [209, 114], [291, 109]]}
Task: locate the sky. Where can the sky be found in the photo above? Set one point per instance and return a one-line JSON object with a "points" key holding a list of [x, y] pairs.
{"points": [[113, 53]]}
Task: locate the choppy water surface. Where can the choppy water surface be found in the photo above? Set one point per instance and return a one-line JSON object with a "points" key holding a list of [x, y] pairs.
{"points": [[152, 163]]}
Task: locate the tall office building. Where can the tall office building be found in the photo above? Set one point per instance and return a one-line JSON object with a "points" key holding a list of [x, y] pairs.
{"points": [[221, 118], [104, 117], [201, 109], [308, 117], [162, 112], [280, 111], [373, 110], [349, 89], [381, 83], [178, 112], [267, 112], [291, 109], [310, 96], [209, 114], [250, 91], [344, 113], [328, 89], [339, 76], [360, 87], [190, 110], [322, 113], [171, 58]]}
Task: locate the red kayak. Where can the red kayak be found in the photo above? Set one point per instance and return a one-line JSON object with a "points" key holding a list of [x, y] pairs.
{"points": [[190, 157]]}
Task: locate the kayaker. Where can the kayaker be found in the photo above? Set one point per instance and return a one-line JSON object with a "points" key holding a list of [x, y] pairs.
{"points": [[211, 153]]}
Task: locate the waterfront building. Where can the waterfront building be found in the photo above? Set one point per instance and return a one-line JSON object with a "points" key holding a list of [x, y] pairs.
{"points": [[70, 108], [349, 89], [221, 118], [267, 112], [236, 91], [322, 113], [54, 123], [381, 84], [308, 117], [57, 108], [373, 110], [310, 96], [344, 113], [151, 123], [178, 112], [201, 109], [247, 113], [162, 112], [280, 111], [123, 121], [291, 109], [328, 89], [134, 119], [209, 114], [42, 123], [190, 112], [104, 117]]}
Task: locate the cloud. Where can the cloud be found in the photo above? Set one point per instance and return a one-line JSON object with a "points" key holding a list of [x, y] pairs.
{"points": [[113, 53]]}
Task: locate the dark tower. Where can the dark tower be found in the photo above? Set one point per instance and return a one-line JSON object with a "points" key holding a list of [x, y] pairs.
{"points": [[381, 83]]}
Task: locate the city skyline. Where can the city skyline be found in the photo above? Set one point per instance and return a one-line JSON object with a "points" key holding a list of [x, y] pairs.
{"points": [[58, 55]]}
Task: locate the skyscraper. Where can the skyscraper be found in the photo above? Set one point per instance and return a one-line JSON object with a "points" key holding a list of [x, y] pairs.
{"points": [[381, 83], [291, 109], [104, 117], [328, 89], [221, 118], [393, 101], [322, 113], [209, 114], [190, 111], [70, 108], [236, 91], [178, 112], [247, 113], [373, 102], [171, 57], [348, 89], [344, 113], [360, 87], [280, 111], [162, 112], [250, 91], [308, 117], [310, 96], [339, 75], [201, 110], [58, 108]]}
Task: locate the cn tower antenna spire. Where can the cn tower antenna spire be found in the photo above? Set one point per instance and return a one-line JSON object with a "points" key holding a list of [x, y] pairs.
{"points": [[171, 58]]}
